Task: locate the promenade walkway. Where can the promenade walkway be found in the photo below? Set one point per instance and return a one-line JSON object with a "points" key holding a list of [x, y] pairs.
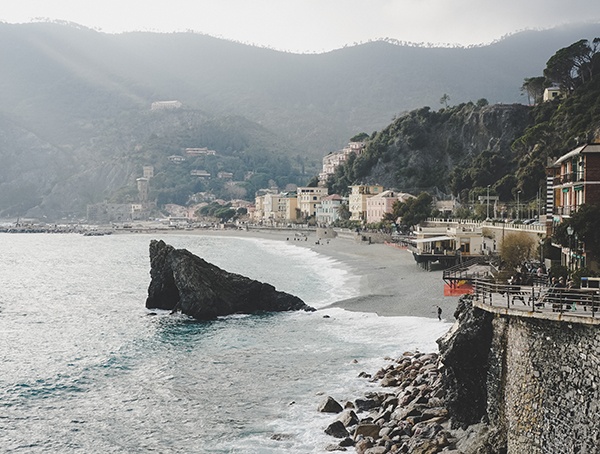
{"points": [[539, 301]]}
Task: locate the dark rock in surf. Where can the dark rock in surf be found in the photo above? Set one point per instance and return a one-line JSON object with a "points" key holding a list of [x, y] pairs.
{"points": [[330, 405], [184, 282]]}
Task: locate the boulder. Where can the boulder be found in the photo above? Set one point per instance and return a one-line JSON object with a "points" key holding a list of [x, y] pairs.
{"points": [[330, 405], [337, 429], [181, 281]]}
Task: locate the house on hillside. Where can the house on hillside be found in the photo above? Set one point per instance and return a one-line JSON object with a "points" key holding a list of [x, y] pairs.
{"points": [[165, 105], [575, 180], [551, 93], [333, 160]]}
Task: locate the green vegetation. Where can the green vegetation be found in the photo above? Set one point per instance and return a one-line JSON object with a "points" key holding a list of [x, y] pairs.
{"points": [[516, 248], [413, 211], [463, 149]]}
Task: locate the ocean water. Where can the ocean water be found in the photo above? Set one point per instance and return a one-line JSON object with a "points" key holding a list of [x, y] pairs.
{"points": [[84, 368]]}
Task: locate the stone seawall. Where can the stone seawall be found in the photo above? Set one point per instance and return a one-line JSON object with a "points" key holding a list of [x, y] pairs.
{"points": [[541, 377], [544, 385]]}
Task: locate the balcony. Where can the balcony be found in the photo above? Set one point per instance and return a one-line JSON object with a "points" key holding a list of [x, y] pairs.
{"points": [[566, 210], [567, 178]]}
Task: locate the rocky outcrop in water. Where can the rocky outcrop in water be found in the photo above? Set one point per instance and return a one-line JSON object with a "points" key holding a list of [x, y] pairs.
{"points": [[184, 282]]}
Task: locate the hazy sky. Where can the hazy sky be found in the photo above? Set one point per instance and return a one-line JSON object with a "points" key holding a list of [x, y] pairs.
{"points": [[313, 25]]}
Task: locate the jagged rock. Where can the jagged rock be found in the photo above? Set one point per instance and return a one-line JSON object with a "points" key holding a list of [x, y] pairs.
{"points": [[367, 430], [330, 405], [348, 418], [464, 352], [366, 404], [185, 282], [337, 429], [347, 442]]}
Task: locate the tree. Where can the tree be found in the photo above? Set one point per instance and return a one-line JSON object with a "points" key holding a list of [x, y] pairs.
{"points": [[360, 137], [344, 212], [534, 87], [414, 210], [517, 248], [444, 99], [573, 65]]}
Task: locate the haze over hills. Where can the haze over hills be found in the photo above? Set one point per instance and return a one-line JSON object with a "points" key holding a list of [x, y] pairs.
{"points": [[76, 99]]}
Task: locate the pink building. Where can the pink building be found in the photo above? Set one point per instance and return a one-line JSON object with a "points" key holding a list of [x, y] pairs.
{"points": [[380, 204]]}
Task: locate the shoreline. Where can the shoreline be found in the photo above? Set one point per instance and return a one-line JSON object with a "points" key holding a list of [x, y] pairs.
{"points": [[391, 284]]}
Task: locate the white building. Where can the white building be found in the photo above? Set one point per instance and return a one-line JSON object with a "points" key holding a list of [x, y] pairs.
{"points": [[328, 210]]}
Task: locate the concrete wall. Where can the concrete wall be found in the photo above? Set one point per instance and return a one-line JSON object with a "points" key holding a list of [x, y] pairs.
{"points": [[544, 385]]}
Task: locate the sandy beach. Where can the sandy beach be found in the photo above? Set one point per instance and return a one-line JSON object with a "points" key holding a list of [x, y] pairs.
{"points": [[391, 283]]}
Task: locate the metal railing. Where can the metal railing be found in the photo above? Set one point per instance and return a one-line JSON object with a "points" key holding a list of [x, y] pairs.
{"points": [[538, 298]]}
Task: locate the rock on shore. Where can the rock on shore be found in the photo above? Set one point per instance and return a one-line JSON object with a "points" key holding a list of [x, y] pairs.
{"points": [[184, 282]]}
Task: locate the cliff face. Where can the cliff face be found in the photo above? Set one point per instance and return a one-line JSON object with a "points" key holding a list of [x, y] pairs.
{"points": [[425, 149], [464, 352], [185, 282]]}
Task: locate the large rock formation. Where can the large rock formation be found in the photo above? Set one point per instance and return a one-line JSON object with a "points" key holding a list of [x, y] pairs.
{"points": [[464, 351], [185, 282]]}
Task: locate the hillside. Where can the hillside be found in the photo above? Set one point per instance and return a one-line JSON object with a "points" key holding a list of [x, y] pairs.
{"points": [[463, 149], [74, 104]]}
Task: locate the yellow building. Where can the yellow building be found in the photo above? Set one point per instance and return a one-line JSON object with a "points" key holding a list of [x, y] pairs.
{"points": [[309, 199], [358, 200]]}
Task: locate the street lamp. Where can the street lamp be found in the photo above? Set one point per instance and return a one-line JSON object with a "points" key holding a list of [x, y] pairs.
{"points": [[570, 233], [487, 218], [518, 205]]}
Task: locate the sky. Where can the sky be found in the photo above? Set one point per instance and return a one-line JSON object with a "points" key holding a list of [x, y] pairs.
{"points": [[313, 25]]}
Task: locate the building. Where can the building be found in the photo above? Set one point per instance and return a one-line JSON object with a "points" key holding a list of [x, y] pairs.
{"points": [[276, 208], [142, 186], [165, 105], [200, 173], [575, 180], [328, 210], [309, 198], [225, 175], [551, 93], [381, 204], [200, 152], [148, 172], [333, 160], [176, 158], [359, 195]]}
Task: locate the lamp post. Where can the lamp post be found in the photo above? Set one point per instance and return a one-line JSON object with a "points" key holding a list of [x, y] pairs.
{"points": [[570, 233], [487, 218], [518, 205]]}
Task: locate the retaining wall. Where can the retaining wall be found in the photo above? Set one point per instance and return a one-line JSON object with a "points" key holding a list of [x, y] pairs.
{"points": [[544, 385]]}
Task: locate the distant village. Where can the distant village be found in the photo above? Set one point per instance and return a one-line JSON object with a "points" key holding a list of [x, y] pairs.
{"points": [[572, 181]]}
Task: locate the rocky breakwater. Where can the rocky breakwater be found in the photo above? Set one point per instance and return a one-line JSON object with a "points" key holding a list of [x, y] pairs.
{"points": [[181, 281], [408, 416], [437, 402]]}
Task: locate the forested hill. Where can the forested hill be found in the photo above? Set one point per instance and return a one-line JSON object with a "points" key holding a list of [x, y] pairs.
{"points": [[462, 149], [55, 77], [76, 125]]}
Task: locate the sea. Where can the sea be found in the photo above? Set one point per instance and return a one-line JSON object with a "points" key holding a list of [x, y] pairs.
{"points": [[86, 368]]}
